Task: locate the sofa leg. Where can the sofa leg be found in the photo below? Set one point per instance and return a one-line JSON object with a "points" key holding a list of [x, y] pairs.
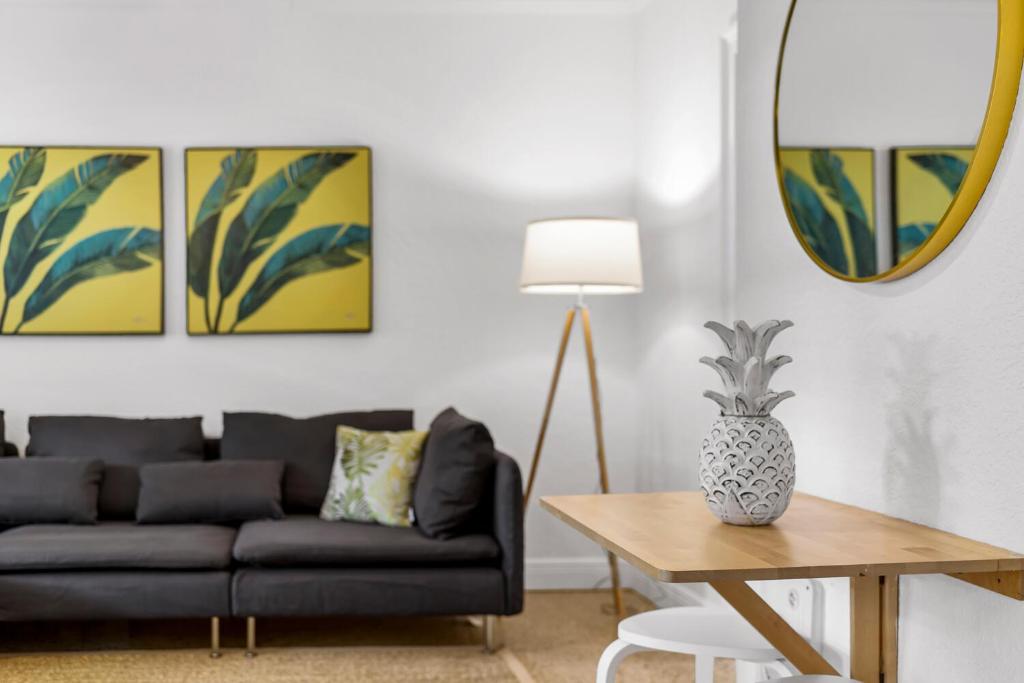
{"points": [[493, 640], [215, 637], [250, 637]]}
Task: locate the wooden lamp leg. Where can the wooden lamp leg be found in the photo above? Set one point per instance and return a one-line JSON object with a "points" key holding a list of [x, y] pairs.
{"points": [[595, 402], [570, 317]]}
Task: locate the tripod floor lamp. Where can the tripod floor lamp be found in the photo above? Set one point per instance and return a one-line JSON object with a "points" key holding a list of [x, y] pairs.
{"points": [[581, 256]]}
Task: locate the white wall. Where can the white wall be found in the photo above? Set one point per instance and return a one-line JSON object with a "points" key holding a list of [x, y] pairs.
{"points": [[481, 116], [906, 392], [679, 194]]}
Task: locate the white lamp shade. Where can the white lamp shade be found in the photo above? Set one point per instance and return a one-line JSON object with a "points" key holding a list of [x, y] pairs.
{"points": [[582, 256]]}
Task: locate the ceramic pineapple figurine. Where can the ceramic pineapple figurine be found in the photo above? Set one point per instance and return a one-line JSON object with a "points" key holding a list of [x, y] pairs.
{"points": [[747, 469]]}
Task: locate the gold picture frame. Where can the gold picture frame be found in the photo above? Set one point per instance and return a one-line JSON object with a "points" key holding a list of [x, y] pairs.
{"points": [[81, 240], [279, 240]]}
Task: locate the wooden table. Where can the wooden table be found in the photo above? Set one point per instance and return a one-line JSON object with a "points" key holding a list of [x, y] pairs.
{"points": [[672, 537]]}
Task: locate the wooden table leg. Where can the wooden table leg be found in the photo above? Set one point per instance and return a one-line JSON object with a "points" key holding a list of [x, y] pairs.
{"points": [[890, 628], [773, 627], [874, 624]]}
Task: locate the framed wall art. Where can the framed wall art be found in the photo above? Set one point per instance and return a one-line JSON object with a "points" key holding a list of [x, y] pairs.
{"points": [[830, 193], [279, 240], [924, 182], [81, 240]]}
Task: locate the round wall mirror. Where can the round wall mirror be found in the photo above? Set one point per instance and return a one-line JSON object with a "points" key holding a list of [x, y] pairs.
{"points": [[890, 116]]}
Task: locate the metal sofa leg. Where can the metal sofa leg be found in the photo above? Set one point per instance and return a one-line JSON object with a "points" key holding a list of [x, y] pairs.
{"points": [[215, 637], [250, 637], [493, 640]]}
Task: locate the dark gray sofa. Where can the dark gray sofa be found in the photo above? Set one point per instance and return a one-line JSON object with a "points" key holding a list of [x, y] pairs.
{"points": [[296, 566]]}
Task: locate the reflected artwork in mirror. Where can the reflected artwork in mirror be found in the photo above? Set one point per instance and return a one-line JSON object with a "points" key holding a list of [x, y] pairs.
{"points": [[890, 116]]}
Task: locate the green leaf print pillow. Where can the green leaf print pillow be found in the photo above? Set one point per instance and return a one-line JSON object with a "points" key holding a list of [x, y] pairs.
{"points": [[373, 475]]}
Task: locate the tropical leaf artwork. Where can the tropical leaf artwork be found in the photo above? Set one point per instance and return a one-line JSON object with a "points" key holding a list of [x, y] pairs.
{"points": [[947, 168], [279, 241], [829, 195], [68, 267], [925, 180]]}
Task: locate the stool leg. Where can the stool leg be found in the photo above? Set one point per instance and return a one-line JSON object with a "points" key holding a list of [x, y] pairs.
{"points": [[250, 637], [215, 637], [612, 657], [704, 669]]}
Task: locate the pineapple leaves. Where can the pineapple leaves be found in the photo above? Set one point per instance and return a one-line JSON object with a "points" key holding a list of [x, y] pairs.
{"points": [[236, 173], [268, 211], [56, 211], [315, 251], [766, 404], [721, 400], [729, 370], [947, 168], [765, 334], [23, 172], [724, 333], [111, 252], [746, 372]]}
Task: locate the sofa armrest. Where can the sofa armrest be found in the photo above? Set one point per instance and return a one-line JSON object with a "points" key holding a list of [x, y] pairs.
{"points": [[9, 450], [508, 528]]}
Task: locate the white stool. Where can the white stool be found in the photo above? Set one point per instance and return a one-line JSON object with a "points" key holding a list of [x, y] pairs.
{"points": [[813, 679], [704, 632]]}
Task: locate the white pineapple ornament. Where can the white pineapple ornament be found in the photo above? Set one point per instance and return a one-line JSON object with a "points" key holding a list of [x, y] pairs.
{"points": [[747, 468]]}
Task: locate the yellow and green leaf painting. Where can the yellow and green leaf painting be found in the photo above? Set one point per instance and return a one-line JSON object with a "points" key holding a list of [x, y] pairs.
{"points": [[278, 240], [81, 233], [925, 180], [830, 194]]}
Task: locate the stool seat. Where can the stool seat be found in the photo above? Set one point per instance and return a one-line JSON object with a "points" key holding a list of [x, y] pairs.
{"points": [[702, 631]]}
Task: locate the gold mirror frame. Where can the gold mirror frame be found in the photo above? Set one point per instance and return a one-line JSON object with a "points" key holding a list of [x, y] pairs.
{"points": [[994, 129]]}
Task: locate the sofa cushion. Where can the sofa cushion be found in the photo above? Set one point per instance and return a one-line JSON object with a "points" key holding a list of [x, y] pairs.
{"points": [[210, 492], [115, 545], [373, 476], [396, 591], [458, 464], [122, 444], [306, 541], [49, 490], [306, 446]]}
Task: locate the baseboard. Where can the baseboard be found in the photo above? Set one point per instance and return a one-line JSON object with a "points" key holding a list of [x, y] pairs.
{"points": [[566, 573], [575, 573]]}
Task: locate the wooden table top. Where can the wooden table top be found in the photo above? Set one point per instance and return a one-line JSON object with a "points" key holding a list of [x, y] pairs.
{"points": [[673, 537]]}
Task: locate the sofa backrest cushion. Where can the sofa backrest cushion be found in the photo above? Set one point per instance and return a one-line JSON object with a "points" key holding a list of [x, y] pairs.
{"points": [[122, 444], [306, 446], [224, 492], [457, 468], [50, 490]]}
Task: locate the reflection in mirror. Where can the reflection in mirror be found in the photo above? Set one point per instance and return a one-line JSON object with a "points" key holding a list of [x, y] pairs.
{"points": [[880, 103]]}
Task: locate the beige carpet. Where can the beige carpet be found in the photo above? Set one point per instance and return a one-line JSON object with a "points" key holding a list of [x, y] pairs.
{"points": [[558, 638]]}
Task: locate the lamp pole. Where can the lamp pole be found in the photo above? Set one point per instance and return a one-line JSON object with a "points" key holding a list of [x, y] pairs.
{"points": [[595, 402]]}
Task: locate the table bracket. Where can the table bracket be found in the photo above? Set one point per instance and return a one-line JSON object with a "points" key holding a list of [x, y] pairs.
{"points": [[773, 627], [1006, 582]]}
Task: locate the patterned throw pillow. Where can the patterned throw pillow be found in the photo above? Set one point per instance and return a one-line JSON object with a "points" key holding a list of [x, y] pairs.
{"points": [[373, 476]]}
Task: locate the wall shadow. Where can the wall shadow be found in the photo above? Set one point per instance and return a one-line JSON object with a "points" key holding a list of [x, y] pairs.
{"points": [[914, 451]]}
